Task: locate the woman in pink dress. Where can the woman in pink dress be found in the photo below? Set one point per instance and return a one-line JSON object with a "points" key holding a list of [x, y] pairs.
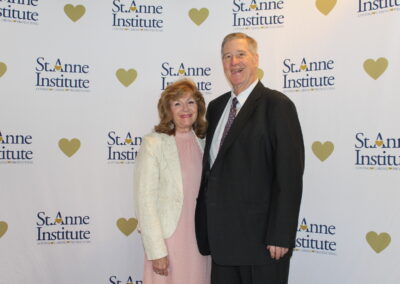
{"points": [[166, 183]]}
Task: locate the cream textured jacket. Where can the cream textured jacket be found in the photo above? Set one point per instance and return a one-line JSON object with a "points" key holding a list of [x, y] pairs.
{"points": [[158, 193]]}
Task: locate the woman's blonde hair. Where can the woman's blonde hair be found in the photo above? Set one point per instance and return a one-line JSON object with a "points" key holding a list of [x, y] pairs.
{"points": [[173, 92]]}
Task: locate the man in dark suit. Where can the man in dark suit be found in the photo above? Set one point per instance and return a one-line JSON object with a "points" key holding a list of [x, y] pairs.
{"points": [[248, 204]]}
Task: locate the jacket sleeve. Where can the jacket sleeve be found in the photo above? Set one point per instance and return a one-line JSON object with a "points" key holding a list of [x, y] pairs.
{"points": [[146, 191], [288, 163]]}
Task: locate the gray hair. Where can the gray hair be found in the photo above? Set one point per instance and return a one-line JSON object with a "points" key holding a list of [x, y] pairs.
{"points": [[250, 41]]}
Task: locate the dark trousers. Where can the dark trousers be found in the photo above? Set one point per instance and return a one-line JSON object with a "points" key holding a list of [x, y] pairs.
{"points": [[273, 273]]}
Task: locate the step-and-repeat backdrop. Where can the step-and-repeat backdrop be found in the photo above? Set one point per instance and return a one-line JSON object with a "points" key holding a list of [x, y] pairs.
{"points": [[79, 84]]}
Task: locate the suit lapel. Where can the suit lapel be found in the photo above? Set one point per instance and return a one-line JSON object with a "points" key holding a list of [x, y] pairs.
{"points": [[240, 120], [200, 142], [216, 114], [171, 156]]}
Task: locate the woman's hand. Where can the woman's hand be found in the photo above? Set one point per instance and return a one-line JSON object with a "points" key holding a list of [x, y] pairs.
{"points": [[160, 266]]}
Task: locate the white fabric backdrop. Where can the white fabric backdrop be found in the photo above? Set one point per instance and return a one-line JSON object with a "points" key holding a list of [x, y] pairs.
{"points": [[67, 148]]}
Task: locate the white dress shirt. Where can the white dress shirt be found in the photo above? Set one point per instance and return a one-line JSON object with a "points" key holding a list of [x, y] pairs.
{"points": [[242, 97]]}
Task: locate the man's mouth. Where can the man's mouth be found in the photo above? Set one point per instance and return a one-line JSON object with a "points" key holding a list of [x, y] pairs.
{"points": [[236, 71]]}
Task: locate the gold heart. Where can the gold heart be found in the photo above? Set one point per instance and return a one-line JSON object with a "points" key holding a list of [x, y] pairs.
{"points": [[198, 16], [379, 143], [128, 140], [325, 6], [74, 13], [253, 6], [133, 9], [181, 71], [260, 73], [68, 147], [3, 228], [3, 68], [375, 68], [127, 226], [57, 67], [126, 77], [322, 151], [303, 227], [58, 220], [378, 242], [303, 67]]}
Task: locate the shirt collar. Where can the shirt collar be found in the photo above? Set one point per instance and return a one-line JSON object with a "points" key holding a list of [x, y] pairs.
{"points": [[242, 97]]}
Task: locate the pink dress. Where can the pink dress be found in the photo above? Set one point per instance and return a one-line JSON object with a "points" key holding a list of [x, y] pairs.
{"points": [[186, 264]]}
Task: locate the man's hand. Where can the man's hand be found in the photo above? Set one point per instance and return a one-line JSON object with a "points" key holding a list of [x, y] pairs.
{"points": [[277, 252], [160, 266]]}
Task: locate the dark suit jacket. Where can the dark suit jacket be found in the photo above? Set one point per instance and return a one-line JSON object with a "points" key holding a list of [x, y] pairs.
{"points": [[251, 196]]}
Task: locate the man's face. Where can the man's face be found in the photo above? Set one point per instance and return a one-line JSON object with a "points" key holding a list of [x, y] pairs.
{"points": [[240, 65]]}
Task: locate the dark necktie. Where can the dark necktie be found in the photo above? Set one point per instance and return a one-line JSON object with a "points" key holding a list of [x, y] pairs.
{"points": [[231, 117]]}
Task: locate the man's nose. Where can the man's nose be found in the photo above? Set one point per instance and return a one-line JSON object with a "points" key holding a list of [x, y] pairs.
{"points": [[234, 60]]}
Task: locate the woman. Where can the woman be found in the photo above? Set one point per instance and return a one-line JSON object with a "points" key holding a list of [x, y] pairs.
{"points": [[167, 180]]}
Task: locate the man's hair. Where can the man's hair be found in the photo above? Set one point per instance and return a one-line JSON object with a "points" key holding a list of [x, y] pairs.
{"points": [[250, 41]]}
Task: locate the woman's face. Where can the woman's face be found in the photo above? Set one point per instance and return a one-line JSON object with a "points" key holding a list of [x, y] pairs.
{"points": [[184, 112]]}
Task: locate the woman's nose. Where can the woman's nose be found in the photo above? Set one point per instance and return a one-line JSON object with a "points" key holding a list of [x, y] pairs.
{"points": [[185, 106]]}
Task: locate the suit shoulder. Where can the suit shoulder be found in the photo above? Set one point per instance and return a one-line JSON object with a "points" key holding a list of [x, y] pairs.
{"points": [[154, 140], [277, 98], [220, 98], [153, 137]]}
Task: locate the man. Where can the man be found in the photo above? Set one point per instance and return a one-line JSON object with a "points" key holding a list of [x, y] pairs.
{"points": [[249, 200]]}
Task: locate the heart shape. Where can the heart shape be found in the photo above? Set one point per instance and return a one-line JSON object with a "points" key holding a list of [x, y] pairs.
{"points": [[379, 143], [303, 67], [253, 6], [303, 227], [126, 77], [322, 151], [74, 12], [375, 68], [260, 73], [325, 6], [378, 242], [3, 69], [198, 16], [127, 226], [69, 147], [3, 228]]}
